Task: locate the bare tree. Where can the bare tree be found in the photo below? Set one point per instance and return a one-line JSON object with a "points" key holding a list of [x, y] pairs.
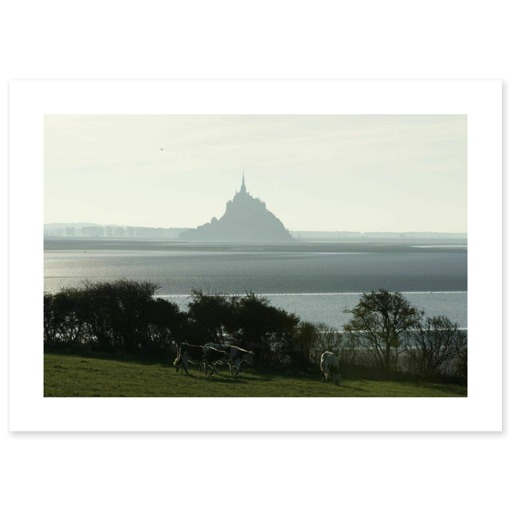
{"points": [[437, 342], [379, 323]]}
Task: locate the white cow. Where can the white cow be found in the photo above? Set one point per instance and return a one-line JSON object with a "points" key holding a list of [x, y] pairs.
{"points": [[329, 366], [196, 354], [236, 356]]}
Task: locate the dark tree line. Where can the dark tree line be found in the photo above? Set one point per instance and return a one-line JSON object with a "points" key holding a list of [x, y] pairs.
{"points": [[124, 317], [112, 317]]}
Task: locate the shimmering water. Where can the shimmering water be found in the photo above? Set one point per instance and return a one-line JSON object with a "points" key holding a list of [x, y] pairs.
{"points": [[319, 282], [333, 308]]}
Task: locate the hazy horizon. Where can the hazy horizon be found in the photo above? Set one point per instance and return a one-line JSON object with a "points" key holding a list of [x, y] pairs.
{"points": [[62, 224], [315, 173]]}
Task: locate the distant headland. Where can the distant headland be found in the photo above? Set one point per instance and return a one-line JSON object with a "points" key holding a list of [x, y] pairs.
{"points": [[246, 219]]}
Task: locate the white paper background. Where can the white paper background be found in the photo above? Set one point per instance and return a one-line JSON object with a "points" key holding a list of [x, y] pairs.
{"points": [[479, 100], [225, 39]]}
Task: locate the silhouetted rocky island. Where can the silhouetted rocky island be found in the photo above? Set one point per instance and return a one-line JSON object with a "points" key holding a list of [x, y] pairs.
{"points": [[246, 220]]}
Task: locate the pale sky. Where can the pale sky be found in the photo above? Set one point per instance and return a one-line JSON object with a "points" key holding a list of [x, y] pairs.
{"points": [[323, 173]]}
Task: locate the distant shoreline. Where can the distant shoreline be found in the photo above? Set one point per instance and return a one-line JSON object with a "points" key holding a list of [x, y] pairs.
{"points": [[329, 246], [89, 230]]}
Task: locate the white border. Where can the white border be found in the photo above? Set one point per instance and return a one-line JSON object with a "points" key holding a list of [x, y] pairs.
{"points": [[479, 100]]}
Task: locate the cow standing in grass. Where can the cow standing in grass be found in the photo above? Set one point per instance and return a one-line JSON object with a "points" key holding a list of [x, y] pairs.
{"points": [[212, 348], [196, 354], [236, 356], [329, 366]]}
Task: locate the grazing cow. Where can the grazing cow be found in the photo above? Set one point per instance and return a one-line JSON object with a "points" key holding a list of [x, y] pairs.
{"points": [[329, 366], [236, 356], [195, 354]]}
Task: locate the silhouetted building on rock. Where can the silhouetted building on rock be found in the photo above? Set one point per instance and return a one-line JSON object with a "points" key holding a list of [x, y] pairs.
{"points": [[246, 220]]}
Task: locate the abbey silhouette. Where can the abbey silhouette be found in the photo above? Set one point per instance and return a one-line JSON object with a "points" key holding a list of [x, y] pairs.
{"points": [[246, 219]]}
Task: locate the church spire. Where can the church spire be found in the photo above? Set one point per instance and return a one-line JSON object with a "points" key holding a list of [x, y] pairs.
{"points": [[242, 188]]}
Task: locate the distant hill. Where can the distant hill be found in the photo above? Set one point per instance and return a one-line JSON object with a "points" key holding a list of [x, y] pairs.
{"points": [[246, 220]]}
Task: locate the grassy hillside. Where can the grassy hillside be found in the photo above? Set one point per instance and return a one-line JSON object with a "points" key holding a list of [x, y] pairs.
{"points": [[66, 375]]}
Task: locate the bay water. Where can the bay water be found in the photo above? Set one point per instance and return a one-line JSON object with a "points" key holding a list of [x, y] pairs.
{"points": [[319, 281]]}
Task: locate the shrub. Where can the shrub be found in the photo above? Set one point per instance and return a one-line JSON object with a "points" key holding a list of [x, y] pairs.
{"points": [[436, 344]]}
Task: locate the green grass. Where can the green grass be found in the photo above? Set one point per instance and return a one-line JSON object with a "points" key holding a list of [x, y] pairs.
{"points": [[66, 375]]}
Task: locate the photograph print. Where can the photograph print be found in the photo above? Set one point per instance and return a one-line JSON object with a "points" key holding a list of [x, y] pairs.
{"points": [[261, 255]]}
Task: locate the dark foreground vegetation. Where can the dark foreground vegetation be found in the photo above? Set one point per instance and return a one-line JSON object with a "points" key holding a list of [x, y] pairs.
{"points": [[387, 338]]}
